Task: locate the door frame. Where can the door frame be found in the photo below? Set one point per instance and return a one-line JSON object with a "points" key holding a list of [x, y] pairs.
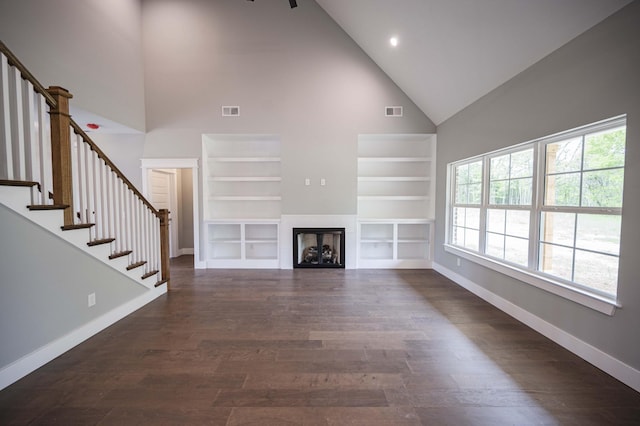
{"points": [[179, 163]]}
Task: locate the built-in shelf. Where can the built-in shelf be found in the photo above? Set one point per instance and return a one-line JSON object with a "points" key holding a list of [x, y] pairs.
{"points": [[394, 159], [245, 198], [242, 244], [396, 176], [394, 179], [242, 188], [395, 243], [245, 159]]}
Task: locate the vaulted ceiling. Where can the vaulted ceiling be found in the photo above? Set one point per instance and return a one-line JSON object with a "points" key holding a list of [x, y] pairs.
{"points": [[452, 52]]}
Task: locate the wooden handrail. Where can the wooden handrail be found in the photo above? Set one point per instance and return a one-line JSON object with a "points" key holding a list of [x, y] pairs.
{"points": [[14, 61], [78, 130]]}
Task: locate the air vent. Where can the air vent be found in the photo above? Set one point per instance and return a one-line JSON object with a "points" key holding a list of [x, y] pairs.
{"points": [[393, 111], [230, 111]]}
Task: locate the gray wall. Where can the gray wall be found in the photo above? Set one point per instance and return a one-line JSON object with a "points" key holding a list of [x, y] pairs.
{"points": [[595, 76], [44, 287], [185, 208], [93, 48], [293, 72]]}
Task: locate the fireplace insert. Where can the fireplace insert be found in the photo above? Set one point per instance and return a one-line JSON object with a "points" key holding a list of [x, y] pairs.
{"points": [[318, 248]]}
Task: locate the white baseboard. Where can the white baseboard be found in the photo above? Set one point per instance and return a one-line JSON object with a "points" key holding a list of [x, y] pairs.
{"points": [[610, 365], [185, 251], [36, 359]]}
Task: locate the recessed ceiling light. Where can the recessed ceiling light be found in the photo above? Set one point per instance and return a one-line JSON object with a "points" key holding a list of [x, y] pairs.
{"points": [[393, 41]]}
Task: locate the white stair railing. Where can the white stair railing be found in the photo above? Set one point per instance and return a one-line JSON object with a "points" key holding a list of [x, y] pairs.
{"points": [[25, 132], [40, 146]]}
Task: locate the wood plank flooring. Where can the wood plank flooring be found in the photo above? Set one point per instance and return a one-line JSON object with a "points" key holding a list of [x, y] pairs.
{"points": [[317, 347]]}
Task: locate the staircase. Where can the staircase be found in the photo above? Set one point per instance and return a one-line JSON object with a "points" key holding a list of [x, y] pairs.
{"points": [[56, 177], [58, 169]]}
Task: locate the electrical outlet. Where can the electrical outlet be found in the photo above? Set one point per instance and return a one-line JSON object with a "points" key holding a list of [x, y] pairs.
{"points": [[307, 182], [91, 299], [458, 261], [323, 182]]}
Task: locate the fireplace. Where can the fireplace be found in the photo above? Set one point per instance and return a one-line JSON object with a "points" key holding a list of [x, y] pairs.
{"points": [[318, 248]]}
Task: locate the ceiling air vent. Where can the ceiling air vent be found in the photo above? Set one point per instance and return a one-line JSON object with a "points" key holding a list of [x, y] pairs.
{"points": [[231, 111], [393, 111]]}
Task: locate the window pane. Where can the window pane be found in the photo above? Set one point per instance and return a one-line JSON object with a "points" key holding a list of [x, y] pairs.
{"points": [[602, 188], [597, 271], [522, 164], [475, 172], [458, 216], [498, 192], [605, 149], [473, 218], [472, 239], [599, 233], [496, 220], [495, 245], [558, 228], [462, 174], [556, 261], [461, 194], [565, 156], [516, 250], [499, 168], [518, 223], [475, 192], [562, 190], [520, 192], [457, 236]]}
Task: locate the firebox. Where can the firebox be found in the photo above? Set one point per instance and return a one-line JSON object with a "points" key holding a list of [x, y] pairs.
{"points": [[318, 248]]}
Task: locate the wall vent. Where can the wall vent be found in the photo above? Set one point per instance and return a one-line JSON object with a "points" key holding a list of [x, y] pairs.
{"points": [[393, 111], [230, 111]]}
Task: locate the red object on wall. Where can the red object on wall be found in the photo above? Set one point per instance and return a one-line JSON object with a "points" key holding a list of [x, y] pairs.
{"points": [[93, 126]]}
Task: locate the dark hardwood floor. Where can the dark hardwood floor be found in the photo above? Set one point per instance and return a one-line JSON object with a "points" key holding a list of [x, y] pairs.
{"points": [[317, 347]]}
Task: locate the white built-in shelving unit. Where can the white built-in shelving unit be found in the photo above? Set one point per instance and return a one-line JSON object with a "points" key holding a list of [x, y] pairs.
{"points": [[395, 200], [242, 211]]}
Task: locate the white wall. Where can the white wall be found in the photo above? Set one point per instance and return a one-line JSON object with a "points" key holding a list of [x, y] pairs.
{"points": [[93, 48], [595, 76], [293, 72], [125, 150]]}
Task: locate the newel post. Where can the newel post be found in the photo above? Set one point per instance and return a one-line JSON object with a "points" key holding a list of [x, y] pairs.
{"points": [[163, 214], [61, 151]]}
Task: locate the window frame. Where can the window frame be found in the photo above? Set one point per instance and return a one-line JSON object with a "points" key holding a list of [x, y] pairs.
{"points": [[532, 273]]}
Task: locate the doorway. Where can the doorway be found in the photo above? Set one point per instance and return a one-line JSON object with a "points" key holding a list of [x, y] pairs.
{"points": [[173, 184]]}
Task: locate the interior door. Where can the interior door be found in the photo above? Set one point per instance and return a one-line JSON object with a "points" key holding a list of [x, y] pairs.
{"points": [[163, 195]]}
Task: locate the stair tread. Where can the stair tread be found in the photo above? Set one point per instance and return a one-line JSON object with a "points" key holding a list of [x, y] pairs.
{"points": [[77, 226], [159, 283], [47, 207], [7, 182], [136, 265], [149, 274], [99, 242], [120, 254]]}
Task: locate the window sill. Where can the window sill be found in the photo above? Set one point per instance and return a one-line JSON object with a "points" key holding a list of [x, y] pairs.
{"points": [[584, 298]]}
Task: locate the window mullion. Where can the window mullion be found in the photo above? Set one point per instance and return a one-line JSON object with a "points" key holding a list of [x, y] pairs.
{"points": [[537, 199], [484, 202]]}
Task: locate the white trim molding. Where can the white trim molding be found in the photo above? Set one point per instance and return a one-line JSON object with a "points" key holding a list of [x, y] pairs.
{"points": [[605, 362], [584, 298], [36, 359]]}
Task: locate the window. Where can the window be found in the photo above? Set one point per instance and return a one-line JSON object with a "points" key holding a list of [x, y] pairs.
{"points": [[466, 212], [551, 207], [581, 216]]}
